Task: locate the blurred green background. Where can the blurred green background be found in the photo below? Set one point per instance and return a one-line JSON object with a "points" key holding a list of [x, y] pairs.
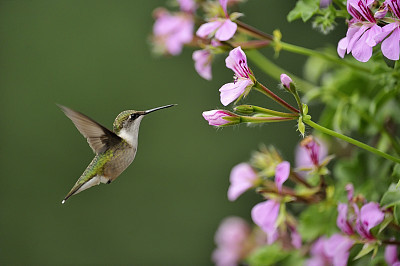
{"points": [[94, 56]]}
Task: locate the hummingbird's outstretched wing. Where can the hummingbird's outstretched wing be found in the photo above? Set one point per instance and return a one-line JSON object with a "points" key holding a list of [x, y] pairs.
{"points": [[98, 137]]}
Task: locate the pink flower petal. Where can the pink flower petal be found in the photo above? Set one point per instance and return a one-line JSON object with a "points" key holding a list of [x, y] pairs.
{"points": [[282, 172], [242, 178], [226, 31], [371, 215], [202, 63], [337, 249], [371, 33], [391, 254], [355, 34], [390, 46], [216, 117], [207, 29], [342, 47], [342, 221], [265, 214], [286, 80], [232, 91], [237, 61], [361, 50], [224, 4]]}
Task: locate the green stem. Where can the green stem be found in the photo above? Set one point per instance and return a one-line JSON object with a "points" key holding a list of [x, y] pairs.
{"points": [[253, 31], [256, 109], [352, 141], [304, 51], [259, 119], [253, 44], [275, 71], [274, 97], [296, 95]]}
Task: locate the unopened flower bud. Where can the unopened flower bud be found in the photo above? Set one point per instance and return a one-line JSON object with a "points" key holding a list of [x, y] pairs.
{"points": [[221, 118], [286, 80]]}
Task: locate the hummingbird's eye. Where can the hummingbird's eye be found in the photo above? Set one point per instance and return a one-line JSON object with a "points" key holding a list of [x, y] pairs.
{"points": [[134, 116]]}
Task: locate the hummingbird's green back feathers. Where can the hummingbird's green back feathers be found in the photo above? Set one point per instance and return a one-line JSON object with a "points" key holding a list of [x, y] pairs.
{"points": [[98, 137]]}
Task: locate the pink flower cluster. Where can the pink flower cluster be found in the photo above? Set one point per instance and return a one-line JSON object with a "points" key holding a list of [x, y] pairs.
{"points": [[364, 32], [222, 29], [172, 31], [231, 237], [358, 219], [330, 251], [265, 214]]}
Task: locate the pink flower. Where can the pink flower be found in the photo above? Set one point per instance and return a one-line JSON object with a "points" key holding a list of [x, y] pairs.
{"points": [[391, 255], [187, 5], [230, 238], [221, 118], [172, 31], [360, 37], [282, 172], [337, 249], [265, 215], [390, 46], [223, 28], [242, 178], [368, 217], [342, 221], [243, 82], [202, 63], [330, 251], [286, 80], [310, 153]]}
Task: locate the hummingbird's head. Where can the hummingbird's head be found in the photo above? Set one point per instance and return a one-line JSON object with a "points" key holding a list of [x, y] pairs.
{"points": [[129, 120]]}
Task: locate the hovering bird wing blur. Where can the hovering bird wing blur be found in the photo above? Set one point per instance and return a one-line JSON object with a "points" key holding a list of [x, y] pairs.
{"points": [[98, 137]]}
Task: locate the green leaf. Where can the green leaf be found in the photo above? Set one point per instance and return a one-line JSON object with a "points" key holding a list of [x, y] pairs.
{"points": [[391, 197], [267, 255], [304, 9], [367, 248], [317, 220], [396, 213]]}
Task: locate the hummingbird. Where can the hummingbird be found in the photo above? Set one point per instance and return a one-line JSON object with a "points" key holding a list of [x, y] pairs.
{"points": [[115, 150]]}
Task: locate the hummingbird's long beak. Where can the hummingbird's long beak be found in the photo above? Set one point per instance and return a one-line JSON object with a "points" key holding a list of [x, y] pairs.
{"points": [[158, 108]]}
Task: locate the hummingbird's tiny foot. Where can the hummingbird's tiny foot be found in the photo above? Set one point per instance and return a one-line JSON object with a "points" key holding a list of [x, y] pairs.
{"points": [[62, 202]]}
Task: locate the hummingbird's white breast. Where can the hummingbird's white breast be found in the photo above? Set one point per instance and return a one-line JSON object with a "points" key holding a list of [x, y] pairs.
{"points": [[130, 132]]}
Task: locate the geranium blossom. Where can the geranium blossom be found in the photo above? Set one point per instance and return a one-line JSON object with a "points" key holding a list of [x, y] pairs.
{"points": [[236, 61], [369, 216], [360, 37], [230, 238], [330, 251], [310, 153], [220, 117], [172, 31], [223, 28], [390, 46]]}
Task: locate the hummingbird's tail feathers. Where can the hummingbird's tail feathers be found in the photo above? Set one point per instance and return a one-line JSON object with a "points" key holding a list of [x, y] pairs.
{"points": [[81, 186]]}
